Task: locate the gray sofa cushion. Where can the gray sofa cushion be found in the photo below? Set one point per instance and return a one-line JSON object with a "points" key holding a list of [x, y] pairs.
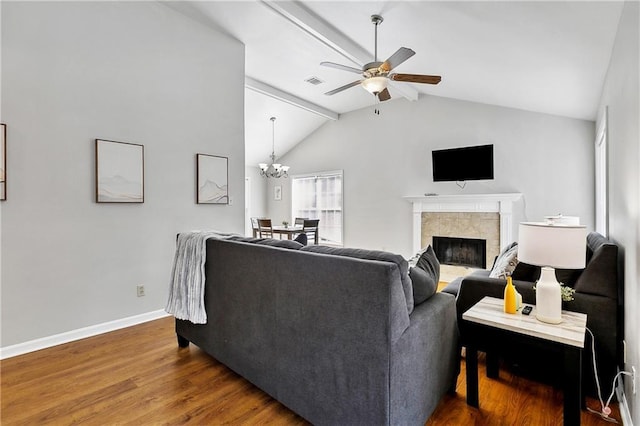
{"points": [[384, 256], [526, 272]]}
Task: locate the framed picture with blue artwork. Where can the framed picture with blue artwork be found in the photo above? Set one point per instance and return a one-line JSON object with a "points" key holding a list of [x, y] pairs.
{"points": [[212, 182]]}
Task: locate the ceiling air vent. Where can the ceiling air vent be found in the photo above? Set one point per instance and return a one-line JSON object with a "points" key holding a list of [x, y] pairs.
{"points": [[314, 80]]}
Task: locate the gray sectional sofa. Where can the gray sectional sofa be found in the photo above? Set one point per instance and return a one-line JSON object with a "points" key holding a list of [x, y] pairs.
{"points": [[334, 337]]}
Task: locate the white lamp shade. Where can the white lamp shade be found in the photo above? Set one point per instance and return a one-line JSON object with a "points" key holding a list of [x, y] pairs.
{"points": [[557, 246], [375, 85]]}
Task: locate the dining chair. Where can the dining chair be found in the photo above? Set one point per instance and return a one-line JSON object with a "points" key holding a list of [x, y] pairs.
{"points": [[299, 221], [265, 229], [254, 226], [310, 227]]}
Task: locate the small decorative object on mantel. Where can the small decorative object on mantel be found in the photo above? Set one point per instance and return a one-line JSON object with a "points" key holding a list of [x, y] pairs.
{"points": [[3, 162], [212, 179], [559, 219], [551, 246], [119, 172]]}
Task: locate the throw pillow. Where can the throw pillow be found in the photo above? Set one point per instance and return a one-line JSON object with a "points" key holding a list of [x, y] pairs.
{"points": [[302, 239], [424, 285], [428, 262], [506, 262], [424, 272]]}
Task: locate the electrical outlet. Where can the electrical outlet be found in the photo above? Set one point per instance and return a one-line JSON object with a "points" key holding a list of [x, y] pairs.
{"points": [[633, 379], [140, 289]]}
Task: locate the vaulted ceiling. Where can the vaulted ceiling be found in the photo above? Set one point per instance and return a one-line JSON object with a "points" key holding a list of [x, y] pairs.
{"points": [[548, 57]]}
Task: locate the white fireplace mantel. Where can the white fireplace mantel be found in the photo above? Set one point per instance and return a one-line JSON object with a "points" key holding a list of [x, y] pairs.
{"points": [[503, 204]]}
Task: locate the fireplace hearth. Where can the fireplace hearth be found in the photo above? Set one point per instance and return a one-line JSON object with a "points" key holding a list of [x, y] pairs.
{"points": [[469, 252]]}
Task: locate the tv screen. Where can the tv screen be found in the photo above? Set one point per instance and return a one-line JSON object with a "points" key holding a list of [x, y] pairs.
{"points": [[467, 163]]}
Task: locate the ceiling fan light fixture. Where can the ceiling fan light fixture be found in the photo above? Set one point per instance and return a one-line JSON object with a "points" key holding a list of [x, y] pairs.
{"points": [[375, 85]]}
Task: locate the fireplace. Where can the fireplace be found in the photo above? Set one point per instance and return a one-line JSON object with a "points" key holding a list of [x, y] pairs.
{"points": [[470, 252]]}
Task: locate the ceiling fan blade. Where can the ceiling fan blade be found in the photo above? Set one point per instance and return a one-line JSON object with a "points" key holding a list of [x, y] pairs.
{"points": [[384, 95], [341, 67], [345, 87], [416, 78], [397, 58]]}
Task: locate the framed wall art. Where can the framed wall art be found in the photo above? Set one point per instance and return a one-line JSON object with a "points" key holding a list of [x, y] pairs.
{"points": [[119, 172], [212, 182], [3, 162], [277, 192]]}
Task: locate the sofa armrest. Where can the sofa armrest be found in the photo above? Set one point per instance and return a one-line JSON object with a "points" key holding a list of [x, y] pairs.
{"points": [[425, 361], [474, 288]]}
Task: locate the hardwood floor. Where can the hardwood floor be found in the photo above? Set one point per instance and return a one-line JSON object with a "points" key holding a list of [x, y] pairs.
{"points": [[138, 376]]}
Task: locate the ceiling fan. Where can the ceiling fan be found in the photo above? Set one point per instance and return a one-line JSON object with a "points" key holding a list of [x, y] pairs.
{"points": [[376, 75]]}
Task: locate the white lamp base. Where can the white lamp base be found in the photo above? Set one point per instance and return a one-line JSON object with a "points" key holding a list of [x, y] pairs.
{"points": [[548, 297]]}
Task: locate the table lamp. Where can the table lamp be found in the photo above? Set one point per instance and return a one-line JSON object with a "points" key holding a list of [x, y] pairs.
{"points": [[551, 246]]}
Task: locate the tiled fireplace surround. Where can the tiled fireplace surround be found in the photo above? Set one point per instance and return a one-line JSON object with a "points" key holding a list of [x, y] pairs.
{"points": [[484, 216]]}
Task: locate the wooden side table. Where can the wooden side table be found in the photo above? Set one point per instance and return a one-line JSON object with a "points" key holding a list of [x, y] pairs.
{"points": [[492, 328]]}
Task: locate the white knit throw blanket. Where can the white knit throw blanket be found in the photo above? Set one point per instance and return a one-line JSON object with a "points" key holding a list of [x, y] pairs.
{"points": [[186, 288]]}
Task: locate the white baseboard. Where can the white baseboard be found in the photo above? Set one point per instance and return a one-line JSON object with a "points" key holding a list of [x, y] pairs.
{"points": [[625, 414], [81, 333]]}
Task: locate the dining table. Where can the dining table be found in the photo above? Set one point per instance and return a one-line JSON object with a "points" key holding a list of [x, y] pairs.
{"points": [[289, 230]]}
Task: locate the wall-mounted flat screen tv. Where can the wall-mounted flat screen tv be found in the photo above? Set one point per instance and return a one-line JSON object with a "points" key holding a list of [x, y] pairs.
{"points": [[459, 164]]}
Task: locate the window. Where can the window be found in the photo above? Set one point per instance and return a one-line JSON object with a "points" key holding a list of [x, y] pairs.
{"points": [[602, 199], [319, 196]]}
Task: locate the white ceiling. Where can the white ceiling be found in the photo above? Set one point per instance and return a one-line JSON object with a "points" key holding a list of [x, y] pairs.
{"points": [[548, 57]]}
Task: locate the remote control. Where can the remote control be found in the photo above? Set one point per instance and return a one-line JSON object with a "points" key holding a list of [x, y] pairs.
{"points": [[526, 310]]}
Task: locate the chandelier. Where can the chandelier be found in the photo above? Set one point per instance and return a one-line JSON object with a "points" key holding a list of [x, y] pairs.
{"points": [[274, 170]]}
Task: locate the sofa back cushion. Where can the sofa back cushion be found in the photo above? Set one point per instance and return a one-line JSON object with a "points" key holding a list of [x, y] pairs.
{"points": [[290, 244], [600, 277], [384, 256]]}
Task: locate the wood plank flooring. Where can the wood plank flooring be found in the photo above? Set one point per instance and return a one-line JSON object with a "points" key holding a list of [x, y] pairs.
{"points": [[139, 376]]}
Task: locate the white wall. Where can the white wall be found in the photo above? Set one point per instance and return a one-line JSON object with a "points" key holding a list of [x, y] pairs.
{"points": [[621, 95], [126, 71], [258, 201], [547, 158]]}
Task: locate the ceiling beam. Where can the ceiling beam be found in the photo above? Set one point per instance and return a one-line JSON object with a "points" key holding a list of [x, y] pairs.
{"points": [[265, 89], [297, 14], [322, 31]]}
